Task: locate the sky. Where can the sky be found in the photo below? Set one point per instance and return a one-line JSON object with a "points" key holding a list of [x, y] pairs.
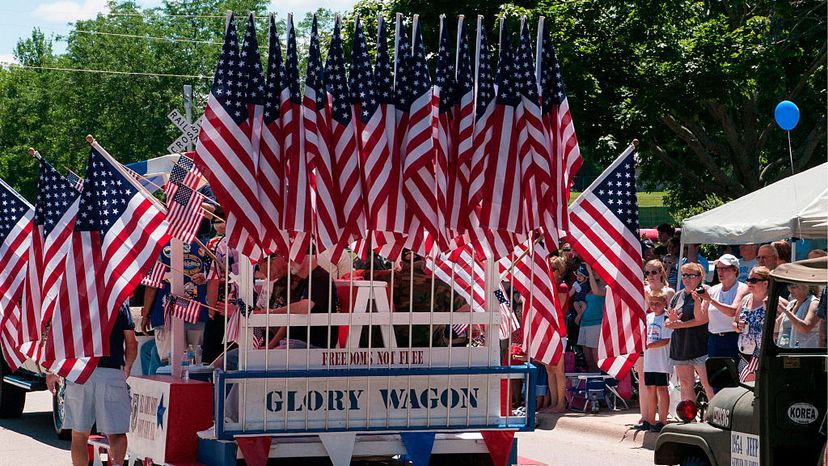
{"points": [[19, 17]]}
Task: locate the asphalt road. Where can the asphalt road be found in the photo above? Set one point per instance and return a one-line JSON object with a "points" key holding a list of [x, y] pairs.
{"points": [[31, 441]]}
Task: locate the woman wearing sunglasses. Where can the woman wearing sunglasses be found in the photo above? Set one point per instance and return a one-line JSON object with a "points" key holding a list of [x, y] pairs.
{"points": [[797, 319], [749, 322], [687, 317]]}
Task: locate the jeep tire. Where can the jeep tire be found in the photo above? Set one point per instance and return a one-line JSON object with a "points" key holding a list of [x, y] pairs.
{"points": [[58, 412]]}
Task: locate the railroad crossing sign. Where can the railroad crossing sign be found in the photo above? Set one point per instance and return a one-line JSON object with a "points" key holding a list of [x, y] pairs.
{"points": [[189, 132]]}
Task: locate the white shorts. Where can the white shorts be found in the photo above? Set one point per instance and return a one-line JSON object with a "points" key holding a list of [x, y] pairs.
{"points": [[104, 400]]}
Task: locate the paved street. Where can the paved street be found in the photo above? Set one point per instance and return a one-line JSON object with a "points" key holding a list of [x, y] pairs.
{"points": [[569, 439]]}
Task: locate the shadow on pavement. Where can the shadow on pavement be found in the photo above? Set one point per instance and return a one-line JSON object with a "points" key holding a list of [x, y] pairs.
{"points": [[38, 426]]}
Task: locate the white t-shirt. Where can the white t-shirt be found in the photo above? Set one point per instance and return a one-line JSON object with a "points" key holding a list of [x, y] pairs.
{"points": [[657, 359], [745, 268], [719, 321]]}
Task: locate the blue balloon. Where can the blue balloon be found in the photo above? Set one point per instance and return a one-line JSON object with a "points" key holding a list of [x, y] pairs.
{"points": [[786, 115]]}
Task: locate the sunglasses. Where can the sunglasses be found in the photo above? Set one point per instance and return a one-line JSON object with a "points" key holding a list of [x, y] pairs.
{"points": [[566, 249], [690, 275], [651, 272], [753, 280]]}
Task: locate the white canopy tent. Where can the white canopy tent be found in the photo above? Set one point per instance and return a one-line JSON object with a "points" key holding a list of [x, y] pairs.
{"points": [[794, 207]]}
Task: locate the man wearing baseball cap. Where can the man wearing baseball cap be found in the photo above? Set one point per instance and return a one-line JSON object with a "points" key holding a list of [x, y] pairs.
{"points": [[724, 301]]}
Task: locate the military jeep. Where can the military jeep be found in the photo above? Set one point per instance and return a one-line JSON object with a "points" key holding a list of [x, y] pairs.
{"points": [[777, 420]]}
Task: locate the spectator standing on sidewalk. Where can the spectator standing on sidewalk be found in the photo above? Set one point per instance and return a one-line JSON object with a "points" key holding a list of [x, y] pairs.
{"points": [[656, 364], [590, 320], [104, 400], [724, 299], [748, 260]]}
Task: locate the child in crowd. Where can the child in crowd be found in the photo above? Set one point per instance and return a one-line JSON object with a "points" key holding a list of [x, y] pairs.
{"points": [[579, 290], [656, 364]]}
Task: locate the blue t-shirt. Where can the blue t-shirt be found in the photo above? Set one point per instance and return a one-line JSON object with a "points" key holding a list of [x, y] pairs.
{"points": [[196, 261], [123, 322], [594, 313]]}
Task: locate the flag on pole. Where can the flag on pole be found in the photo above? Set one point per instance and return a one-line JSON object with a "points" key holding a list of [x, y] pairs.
{"points": [[557, 122], [270, 176], [185, 213], [55, 211], [76, 181], [445, 164], [16, 227], [508, 319], [418, 161], [371, 90], [604, 231], [463, 136], [183, 172], [298, 200], [224, 152], [155, 279], [119, 232], [543, 322], [183, 308]]}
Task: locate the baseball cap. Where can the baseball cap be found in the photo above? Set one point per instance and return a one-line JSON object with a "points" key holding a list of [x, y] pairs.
{"points": [[728, 260], [582, 270]]}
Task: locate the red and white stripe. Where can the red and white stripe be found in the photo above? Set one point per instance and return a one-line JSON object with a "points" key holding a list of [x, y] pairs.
{"points": [[14, 255], [185, 219], [155, 279], [183, 308], [464, 274]]}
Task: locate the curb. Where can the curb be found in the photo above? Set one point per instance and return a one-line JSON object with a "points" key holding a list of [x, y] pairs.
{"points": [[615, 426]]}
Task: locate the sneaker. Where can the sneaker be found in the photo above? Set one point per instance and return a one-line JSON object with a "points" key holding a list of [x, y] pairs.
{"points": [[657, 427], [643, 425]]}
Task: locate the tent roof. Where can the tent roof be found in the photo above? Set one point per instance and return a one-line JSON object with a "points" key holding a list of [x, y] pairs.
{"points": [[796, 206]]}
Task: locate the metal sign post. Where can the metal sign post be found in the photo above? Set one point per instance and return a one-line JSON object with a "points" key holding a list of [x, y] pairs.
{"points": [[189, 130]]}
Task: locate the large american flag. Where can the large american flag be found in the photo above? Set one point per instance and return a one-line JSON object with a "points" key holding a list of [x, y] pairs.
{"points": [[463, 136], [418, 161], [501, 208], [271, 170], [557, 122], [298, 201], [55, 211], [329, 217], [224, 152], [544, 327], [119, 232], [536, 176], [372, 119], [185, 213], [461, 270], [16, 226], [603, 225], [445, 90]]}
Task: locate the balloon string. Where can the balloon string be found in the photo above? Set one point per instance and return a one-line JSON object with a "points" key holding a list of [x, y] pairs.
{"points": [[790, 153]]}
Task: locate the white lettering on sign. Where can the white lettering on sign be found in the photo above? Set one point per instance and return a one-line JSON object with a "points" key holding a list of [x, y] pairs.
{"points": [[744, 449], [802, 413], [721, 417]]}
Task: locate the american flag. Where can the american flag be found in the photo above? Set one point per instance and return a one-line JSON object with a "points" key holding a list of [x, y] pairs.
{"points": [[183, 308], [16, 226], [501, 206], [604, 231], [55, 211], [371, 99], [271, 169], [184, 213], [155, 279], [557, 122], [463, 135], [418, 162], [445, 90], [224, 152], [329, 216], [544, 327], [536, 177], [233, 323], [76, 181], [298, 201], [465, 274], [749, 369], [508, 320], [183, 172], [119, 232]]}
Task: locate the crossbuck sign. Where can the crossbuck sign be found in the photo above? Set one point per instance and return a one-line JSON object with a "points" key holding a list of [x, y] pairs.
{"points": [[189, 132]]}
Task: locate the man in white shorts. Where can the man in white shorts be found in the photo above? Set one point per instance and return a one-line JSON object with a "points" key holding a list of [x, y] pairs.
{"points": [[104, 399]]}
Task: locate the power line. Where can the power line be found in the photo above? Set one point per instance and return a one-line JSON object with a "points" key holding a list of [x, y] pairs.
{"points": [[115, 72], [138, 36]]}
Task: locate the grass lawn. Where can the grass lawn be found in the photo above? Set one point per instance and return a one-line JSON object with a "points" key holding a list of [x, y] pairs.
{"points": [[653, 199]]}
